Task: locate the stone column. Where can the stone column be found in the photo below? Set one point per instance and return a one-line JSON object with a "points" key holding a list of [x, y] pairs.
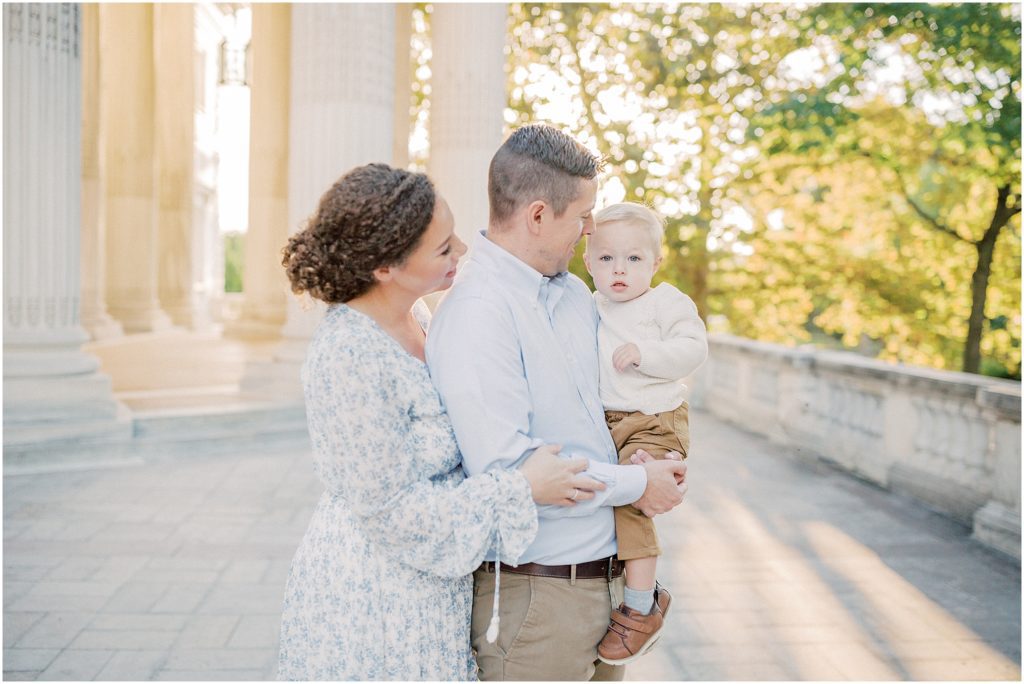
{"points": [[52, 392], [341, 115], [467, 102], [127, 112], [174, 31], [403, 85], [95, 318], [265, 286]]}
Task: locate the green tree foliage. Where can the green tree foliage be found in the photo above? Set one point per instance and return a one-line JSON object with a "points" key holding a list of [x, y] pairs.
{"points": [[915, 110], [664, 92], [837, 174], [419, 64], [234, 261]]}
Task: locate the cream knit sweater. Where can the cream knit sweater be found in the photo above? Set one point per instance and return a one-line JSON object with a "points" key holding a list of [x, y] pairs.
{"points": [[663, 323]]}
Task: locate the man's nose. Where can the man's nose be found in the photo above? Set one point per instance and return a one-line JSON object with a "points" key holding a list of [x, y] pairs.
{"points": [[588, 225]]}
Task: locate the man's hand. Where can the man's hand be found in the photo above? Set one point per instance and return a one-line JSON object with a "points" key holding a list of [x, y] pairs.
{"points": [[640, 457], [666, 486], [626, 356]]}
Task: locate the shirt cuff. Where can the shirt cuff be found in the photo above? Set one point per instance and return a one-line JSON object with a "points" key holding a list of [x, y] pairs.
{"points": [[626, 482]]}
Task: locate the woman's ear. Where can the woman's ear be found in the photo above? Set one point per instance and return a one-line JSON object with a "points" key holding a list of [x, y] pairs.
{"points": [[382, 274]]}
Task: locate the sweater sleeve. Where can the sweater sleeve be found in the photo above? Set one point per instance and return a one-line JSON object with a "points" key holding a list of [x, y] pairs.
{"points": [[683, 346]]}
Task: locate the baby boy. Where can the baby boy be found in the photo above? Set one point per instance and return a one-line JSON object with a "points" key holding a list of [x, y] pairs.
{"points": [[648, 340]]}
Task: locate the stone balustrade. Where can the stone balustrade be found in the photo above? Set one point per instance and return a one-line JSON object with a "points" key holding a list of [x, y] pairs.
{"points": [[951, 440]]}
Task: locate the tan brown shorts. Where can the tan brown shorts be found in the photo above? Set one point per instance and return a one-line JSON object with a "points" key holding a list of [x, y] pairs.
{"points": [[657, 435]]}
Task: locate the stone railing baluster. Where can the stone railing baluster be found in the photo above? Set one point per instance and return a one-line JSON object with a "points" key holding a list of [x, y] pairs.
{"points": [[949, 439]]}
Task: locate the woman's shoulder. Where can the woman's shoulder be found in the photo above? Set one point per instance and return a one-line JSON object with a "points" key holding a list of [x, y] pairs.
{"points": [[347, 335], [343, 320]]}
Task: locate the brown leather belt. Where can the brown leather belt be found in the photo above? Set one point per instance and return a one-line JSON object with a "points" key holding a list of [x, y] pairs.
{"points": [[606, 568]]}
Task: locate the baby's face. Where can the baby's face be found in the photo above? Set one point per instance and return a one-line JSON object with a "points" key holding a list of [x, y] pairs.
{"points": [[622, 259]]}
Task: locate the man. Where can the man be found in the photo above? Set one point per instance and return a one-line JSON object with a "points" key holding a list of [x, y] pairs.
{"points": [[513, 353]]}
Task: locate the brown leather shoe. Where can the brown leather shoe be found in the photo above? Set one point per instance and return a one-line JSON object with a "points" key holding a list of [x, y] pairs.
{"points": [[631, 634]]}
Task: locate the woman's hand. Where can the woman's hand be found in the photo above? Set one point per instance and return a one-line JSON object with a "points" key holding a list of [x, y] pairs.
{"points": [[557, 481]]}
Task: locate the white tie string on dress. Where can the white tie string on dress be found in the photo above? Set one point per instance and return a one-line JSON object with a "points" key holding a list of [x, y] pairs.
{"points": [[492, 629]]}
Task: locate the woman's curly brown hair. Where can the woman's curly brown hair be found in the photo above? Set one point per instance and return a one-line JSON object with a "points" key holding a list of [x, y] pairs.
{"points": [[373, 216]]}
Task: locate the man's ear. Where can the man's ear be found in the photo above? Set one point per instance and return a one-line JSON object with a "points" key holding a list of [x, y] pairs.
{"points": [[535, 216]]}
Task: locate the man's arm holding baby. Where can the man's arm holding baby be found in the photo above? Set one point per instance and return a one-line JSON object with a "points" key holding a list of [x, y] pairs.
{"points": [[476, 364]]}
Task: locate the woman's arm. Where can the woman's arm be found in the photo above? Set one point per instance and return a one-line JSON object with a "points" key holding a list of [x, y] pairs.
{"points": [[367, 445]]}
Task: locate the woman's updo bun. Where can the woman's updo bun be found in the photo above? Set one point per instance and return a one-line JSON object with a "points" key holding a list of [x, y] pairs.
{"points": [[373, 216]]}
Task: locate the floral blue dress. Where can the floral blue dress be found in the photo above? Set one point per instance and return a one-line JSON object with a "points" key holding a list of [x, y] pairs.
{"points": [[380, 587]]}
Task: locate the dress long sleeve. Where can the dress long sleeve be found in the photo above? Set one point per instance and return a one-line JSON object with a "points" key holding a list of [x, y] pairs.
{"points": [[375, 451]]}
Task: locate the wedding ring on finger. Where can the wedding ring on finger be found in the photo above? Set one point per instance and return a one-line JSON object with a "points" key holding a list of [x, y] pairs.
{"points": [[575, 493]]}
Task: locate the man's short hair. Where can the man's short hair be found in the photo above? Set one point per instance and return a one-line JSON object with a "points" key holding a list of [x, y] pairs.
{"points": [[538, 162], [637, 215]]}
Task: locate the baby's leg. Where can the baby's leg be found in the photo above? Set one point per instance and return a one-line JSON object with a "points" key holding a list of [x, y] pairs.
{"points": [[641, 573], [637, 539], [636, 626]]}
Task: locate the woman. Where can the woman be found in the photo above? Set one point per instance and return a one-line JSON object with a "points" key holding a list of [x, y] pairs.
{"points": [[380, 587]]}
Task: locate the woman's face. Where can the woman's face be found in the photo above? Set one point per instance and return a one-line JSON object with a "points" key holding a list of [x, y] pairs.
{"points": [[432, 265]]}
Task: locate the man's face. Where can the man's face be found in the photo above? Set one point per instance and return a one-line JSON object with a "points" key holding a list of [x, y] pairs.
{"points": [[560, 235]]}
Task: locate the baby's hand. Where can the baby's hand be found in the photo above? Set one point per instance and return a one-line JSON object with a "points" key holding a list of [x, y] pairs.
{"points": [[640, 457], [625, 356]]}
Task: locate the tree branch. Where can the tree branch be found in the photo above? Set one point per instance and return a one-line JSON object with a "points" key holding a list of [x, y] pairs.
{"points": [[1016, 206], [920, 211], [1002, 214]]}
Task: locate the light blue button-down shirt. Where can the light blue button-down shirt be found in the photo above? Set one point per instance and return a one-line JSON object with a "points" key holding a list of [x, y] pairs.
{"points": [[514, 356]]}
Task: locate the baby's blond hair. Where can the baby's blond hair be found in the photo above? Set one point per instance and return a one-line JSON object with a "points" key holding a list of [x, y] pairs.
{"points": [[635, 214]]}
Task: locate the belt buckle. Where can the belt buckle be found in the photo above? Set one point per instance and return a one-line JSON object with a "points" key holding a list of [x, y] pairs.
{"points": [[611, 563]]}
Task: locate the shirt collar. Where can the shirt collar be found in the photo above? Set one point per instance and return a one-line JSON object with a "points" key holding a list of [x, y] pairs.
{"points": [[517, 275]]}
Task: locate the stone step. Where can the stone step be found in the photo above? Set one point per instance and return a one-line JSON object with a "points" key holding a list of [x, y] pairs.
{"points": [[218, 425], [218, 422]]}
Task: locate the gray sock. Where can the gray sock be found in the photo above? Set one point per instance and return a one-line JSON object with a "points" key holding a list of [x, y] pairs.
{"points": [[639, 600]]}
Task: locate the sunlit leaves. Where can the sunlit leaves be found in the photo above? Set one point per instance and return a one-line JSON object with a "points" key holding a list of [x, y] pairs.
{"points": [[825, 170]]}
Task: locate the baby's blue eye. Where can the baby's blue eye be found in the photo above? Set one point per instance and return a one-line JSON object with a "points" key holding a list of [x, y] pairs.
{"points": [[635, 258], [604, 258]]}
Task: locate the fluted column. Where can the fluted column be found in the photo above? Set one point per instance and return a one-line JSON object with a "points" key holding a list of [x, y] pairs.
{"points": [[265, 287], [467, 101], [95, 319], [127, 113], [51, 388], [174, 38], [341, 115], [403, 85]]}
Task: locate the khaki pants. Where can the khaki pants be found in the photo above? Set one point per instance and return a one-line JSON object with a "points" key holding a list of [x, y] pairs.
{"points": [[549, 627], [657, 434]]}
